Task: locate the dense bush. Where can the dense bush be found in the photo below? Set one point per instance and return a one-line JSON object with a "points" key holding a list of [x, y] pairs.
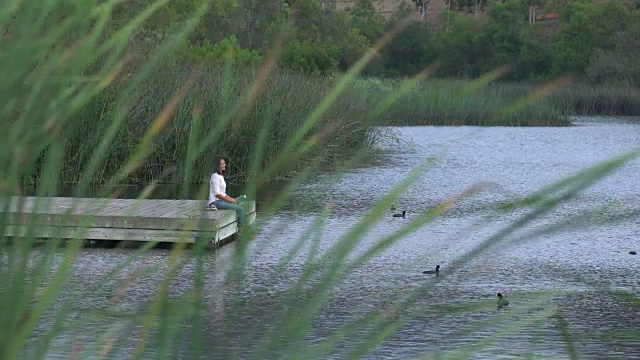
{"points": [[588, 39], [619, 64]]}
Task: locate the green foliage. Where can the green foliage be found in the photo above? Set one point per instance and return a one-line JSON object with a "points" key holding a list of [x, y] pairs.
{"points": [[256, 24], [469, 6], [366, 20], [535, 58], [315, 37], [309, 18], [585, 27], [621, 63], [458, 47], [501, 36], [411, 51], [167, 17], [354, 46], [227, 51], [310, 58]]}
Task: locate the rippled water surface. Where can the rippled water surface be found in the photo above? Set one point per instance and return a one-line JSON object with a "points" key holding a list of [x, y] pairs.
{"points": [[538, 272]]}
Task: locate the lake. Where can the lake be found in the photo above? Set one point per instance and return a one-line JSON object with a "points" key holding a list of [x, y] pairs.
{"points": [[541, 272]]}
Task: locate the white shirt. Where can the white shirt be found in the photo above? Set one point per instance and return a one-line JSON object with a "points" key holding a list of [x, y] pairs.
{"points": [[217, 185]]}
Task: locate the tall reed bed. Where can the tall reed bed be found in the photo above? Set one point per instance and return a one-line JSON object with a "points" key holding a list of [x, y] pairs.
{"points": [[285, 101], [210, 94], [457, 103], [606, 99], [582, 98], [450, 102]]}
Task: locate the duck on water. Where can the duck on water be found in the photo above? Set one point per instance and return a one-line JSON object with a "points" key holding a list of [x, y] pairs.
{"points": [[436, 271], [502, 302]]}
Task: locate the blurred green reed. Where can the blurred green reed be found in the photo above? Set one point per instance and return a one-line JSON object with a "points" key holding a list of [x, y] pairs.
{"points": [[76, 112]]}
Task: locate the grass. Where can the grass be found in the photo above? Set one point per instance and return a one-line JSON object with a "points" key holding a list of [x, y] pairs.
{"points": [[457, 103], [460, 102], [207, 95], [70, 120], [607, 99], [581, 98]]}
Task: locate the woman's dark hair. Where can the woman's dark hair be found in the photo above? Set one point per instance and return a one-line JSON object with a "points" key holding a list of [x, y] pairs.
{"points": [[217, 167]]}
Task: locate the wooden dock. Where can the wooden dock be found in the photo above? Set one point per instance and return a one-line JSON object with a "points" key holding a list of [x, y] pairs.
{"points": [[121, 219]]}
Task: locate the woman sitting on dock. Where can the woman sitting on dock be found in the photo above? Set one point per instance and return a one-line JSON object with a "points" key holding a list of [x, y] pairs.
{"points": [[218, 196]]}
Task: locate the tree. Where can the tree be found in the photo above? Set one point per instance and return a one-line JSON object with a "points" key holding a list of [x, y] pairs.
{"points": [[164, 20], [411, 50], [619, 64], [469, 6], [584, 27], [535, 57], [422, 6], [500, 36], [366, 20], [258, 22], [458, 50]]}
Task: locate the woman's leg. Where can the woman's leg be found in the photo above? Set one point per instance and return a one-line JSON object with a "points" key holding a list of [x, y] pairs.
{"points": [[240, 212]]}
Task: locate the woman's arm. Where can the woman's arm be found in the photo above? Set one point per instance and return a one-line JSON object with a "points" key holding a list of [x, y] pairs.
{"points": [[227, 198]]}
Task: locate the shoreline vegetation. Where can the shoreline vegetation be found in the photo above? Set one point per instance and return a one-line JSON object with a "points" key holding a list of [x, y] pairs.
{"points": [[352, 123], [450, 103], [199, 99]]}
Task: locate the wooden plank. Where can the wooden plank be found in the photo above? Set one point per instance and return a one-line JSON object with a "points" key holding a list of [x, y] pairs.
{"points": [[155, 209], [134, 208], [78, 232], [190, 209], [206, 220], [178, 209], [109, 207], [226, 232], [232, 228], [122, 219], [121, 207], [124, 222], [75, 232]]}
